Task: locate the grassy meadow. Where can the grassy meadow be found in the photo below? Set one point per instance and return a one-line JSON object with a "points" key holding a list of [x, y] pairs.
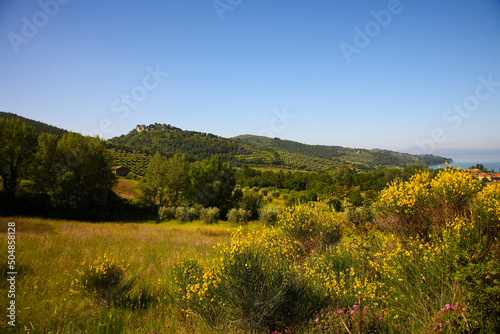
{"points": [[49, 253]]}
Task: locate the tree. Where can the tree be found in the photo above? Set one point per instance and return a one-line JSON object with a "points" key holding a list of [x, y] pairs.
{"points": [[42, 170], [75, 172], [177, 182], [154, 183], [18, 143], [213, 183], [252, 202]]}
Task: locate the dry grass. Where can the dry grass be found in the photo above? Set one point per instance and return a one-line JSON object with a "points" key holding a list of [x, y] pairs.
{"points": [[127, 189]]}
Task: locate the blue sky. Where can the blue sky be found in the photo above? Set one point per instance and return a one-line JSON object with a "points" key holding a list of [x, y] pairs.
{"points": [[414, 76]]}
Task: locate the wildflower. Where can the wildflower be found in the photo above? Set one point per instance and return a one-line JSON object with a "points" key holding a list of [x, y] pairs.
{"points": [[317, 319]]}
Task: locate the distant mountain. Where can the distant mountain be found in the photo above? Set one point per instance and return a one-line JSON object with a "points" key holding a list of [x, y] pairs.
{"points": [[258, 151], [39, 126]]}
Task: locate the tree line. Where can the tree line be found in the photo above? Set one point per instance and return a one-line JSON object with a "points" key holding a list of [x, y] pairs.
{"points": [[176, 181], [47, 173]]}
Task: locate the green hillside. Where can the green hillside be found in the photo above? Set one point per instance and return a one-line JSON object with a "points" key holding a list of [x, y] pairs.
{"points": [[258, 151], [39, 126], [322, 157]]}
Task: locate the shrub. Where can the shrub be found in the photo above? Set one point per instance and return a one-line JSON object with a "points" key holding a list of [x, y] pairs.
{"points": [[252, 285], [104, 279], [238, 216], [403, 207], [252, 202], [186, 214], [360, 215], [310, 226], [182, 214], [210, 215], [166, 213], [452, 192], [264, 192], [423, 204], [275, 194], [481, 289], [291, 199], [486, 211], [269, 216], [193, 213]]}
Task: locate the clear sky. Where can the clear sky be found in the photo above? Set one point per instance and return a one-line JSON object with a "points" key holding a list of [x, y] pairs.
{"points": [[415, 76]]}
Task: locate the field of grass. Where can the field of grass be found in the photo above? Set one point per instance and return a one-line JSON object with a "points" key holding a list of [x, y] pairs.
{"points": [[127, 188], [49, 253]]}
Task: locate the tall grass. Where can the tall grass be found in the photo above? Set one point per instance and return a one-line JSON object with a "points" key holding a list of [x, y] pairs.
{"points": [[49, 255]]}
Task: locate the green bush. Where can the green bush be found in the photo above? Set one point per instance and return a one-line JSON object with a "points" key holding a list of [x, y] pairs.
{"points": [[181, 214], [210, 215], [269, 216], [238, 216], [166, 213], [187, 214], [359, 215], [481, 288], [252, 202]]}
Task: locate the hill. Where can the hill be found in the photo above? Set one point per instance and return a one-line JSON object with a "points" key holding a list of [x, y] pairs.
{"points": [[258, 151], [170, 140], [333, 155], [39, 126], [133, 149]]}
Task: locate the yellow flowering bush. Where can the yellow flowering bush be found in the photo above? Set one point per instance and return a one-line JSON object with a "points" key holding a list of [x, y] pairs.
{"points": [[403, 207], [310, 226], [421, 204], [103, 278], [253, 283], [486, 210], [453, 191]]}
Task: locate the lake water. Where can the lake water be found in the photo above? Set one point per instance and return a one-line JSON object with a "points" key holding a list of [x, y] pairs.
{"points": [[465, 165]]}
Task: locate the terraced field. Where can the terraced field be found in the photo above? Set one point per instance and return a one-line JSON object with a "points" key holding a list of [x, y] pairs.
{"points": [[138, 163]]}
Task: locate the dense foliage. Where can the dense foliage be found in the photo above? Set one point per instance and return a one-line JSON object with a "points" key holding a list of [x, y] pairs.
{"points": [[197, 145], [43, 173]]}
